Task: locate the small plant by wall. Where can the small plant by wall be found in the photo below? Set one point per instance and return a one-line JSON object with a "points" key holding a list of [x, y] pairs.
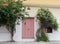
{"points": [[45, 19], [43, 37]]}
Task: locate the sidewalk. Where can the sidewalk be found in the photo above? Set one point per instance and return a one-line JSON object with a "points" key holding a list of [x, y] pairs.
{"points": [[29, 42]]}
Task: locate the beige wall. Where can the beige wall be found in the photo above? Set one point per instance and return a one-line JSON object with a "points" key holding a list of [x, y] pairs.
{"points": [[50, 3]]}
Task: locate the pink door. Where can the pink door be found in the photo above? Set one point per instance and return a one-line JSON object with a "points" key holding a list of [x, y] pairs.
{"points": [[28, 28]]}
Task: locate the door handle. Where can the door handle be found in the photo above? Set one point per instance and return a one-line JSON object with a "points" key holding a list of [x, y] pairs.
{"points": [[28, 29], [25, 23]]}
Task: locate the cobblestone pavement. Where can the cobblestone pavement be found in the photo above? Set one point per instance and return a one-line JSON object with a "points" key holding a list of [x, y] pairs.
{"points": [[29, 42]]}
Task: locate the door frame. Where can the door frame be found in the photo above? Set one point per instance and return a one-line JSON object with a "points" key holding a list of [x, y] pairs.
{"points": [[33, 29]]}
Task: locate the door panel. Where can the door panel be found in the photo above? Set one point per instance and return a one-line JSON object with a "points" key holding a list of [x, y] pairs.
{"points": [[28, 28]]}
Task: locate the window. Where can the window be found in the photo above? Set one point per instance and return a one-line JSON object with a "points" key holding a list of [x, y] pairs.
{"points": [[49, 30]]}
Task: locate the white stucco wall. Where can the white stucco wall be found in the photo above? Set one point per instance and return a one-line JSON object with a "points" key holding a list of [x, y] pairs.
{"points": [[56, 34], [5, 35], [32, 12]]}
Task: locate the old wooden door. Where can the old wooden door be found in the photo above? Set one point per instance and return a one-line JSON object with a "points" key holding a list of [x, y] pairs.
{"points": [[28, 28]]}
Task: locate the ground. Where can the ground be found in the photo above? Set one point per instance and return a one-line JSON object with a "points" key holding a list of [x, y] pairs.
{"points": [[29, 42]]}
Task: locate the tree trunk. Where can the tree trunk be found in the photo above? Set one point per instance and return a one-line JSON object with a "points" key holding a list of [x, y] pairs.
{"points": [[11, 30], [39, 31], [12, 34]]}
